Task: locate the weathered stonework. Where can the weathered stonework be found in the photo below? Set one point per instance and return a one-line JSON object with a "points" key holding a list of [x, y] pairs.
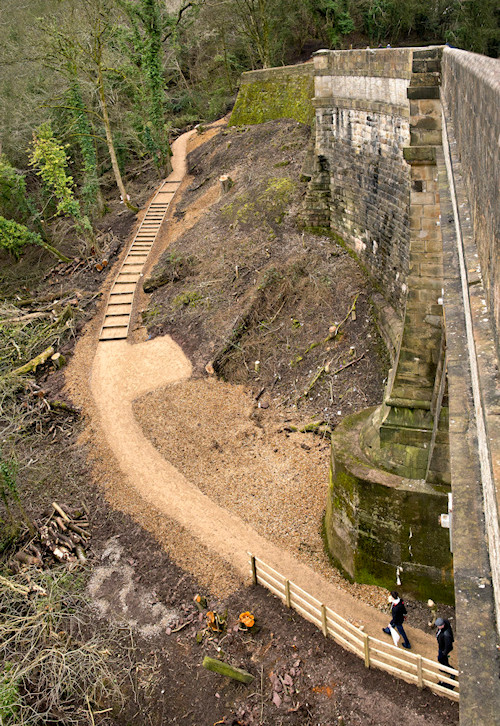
{"points": [[274, 93], [362, 183], [471, 91], [378, 179], [380, 527]]}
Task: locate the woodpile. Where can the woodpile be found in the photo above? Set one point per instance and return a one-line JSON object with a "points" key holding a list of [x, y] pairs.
{"points": [[62, 537]]}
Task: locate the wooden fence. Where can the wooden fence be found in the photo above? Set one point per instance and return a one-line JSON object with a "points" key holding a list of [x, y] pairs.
{"points": [[376, 653]]}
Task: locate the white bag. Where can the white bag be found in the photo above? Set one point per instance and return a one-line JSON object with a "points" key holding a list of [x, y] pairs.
{"points": [[394, 634]]}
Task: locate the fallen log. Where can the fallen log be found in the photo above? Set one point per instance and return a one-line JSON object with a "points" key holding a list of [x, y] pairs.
{"points": [[218, 666], [32, 365]]}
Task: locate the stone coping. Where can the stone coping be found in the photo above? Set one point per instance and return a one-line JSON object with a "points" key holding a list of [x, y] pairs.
{"points": [[263, 74], [474, 595]]}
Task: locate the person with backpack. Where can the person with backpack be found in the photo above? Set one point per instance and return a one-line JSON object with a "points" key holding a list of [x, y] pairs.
{"points": [[398, 612]]}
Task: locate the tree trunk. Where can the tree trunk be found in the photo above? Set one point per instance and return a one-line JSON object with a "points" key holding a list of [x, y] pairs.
{"points": [[33, 364], [110, 144]]}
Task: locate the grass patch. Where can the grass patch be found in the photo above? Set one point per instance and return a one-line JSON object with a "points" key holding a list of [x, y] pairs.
{"points": [[56, 668]]}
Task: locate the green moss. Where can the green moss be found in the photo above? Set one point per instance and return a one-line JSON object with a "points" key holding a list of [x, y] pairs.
{"points": [[268, 203], [267, 100], [191, 298]]}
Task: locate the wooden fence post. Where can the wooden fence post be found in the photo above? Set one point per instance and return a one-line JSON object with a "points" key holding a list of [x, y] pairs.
{"points": [[420, 679], [288, 599], [254, 569], [324, 624], [366, 643]]}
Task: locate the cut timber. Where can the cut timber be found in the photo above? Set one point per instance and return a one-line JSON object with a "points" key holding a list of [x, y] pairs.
{"points": [[226, 183], [218, 666], [58, 360], [33, 364]]}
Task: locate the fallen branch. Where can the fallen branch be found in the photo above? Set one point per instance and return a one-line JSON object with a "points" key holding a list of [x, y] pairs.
{"points": [[14, 586], [32, 365], [24, 318], [61, 511], [351, 363], [315, 379], [61, 406], [218, 666]]}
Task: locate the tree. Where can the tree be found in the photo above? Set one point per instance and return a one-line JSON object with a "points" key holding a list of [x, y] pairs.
{"points": [[143, 39], [83, 129], [80, 50], [49, 158]]}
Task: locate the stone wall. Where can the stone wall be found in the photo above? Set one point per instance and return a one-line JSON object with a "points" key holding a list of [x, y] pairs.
{"points": [[274, 93], [471, 96], [362, 184], [382, 528]]}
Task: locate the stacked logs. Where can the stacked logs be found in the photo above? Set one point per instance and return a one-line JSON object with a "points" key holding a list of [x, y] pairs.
{"points": [[62, 537]]}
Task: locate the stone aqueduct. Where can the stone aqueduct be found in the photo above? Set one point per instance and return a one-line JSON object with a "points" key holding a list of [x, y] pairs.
{"points": [[404, 166]]}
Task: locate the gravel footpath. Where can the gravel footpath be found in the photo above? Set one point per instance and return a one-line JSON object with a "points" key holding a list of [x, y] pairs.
{"points": [[245, 462]]}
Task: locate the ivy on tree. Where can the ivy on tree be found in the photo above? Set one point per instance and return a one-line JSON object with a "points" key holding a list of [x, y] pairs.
{"points": [[49, 158]]}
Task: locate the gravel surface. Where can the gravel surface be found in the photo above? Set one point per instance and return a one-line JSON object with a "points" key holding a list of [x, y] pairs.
{"points": [[242, 458]]}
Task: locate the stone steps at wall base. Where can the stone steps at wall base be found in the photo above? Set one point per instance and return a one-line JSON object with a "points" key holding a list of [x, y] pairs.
{"points": [[425, 79]]}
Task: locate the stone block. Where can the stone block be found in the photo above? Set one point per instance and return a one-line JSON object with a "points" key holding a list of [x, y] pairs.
{"points": [[419, 154], [422, 198], [425, 137], [426, 66], [426, 122], [432, 53], [416, 92], [425, 79]]}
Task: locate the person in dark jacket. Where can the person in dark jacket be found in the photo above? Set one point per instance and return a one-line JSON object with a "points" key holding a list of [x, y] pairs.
{"points": [[444, 635], [398, 612]]}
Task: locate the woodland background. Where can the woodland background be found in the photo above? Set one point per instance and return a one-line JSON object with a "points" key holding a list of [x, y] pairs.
{"points": [[92, 90]]}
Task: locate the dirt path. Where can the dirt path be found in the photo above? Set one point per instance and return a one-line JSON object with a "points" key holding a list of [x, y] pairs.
{"points": [[122, 372]]}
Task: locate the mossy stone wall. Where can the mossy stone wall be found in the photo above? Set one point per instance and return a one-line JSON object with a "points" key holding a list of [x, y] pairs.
{"points": [[377, 522], [275, 93]]}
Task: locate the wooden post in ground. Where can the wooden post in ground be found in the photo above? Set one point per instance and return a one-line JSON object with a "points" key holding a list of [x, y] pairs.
{"points": [[366, 644], [288, 600], [420, 678], [254, 569], [324, 624]]}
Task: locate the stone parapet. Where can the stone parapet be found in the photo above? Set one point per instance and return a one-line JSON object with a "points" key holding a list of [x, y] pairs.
{"points": [[471, 93]]}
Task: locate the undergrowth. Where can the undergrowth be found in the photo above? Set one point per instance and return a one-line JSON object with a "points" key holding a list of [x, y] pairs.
{"points": [[56, 669]]}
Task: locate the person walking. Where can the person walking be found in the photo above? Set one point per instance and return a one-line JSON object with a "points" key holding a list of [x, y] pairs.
{"points": [[398, 612], [444, 635]]}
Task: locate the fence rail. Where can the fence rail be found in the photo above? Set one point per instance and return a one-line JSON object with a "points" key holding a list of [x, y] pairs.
{"points": [[411, 667]]}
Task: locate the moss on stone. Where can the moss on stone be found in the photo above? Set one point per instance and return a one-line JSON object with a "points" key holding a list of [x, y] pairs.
{"points": [[376, 523], [264, 100]]}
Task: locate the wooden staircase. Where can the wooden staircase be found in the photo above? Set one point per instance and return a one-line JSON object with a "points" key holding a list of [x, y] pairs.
{"points": [[119, 309]]}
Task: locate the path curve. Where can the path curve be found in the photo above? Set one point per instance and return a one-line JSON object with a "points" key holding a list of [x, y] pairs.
{"points": [[122, 372]]}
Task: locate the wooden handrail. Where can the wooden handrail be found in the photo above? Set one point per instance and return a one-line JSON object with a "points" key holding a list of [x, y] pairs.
{"points": [[411, 667]]}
